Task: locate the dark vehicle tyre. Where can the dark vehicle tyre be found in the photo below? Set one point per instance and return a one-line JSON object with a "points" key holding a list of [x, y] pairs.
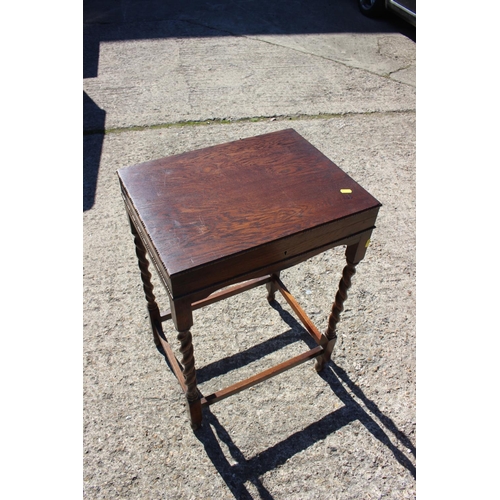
{"points": [[371, 8]]}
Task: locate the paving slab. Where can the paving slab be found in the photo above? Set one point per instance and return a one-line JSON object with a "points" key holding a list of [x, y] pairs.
{"points": [[239, 60], [150, 82]]}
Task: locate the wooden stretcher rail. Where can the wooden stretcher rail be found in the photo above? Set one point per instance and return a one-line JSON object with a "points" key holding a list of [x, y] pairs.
{"points": [[174, 363], [260, 377], [308, 324], [223, 294]]}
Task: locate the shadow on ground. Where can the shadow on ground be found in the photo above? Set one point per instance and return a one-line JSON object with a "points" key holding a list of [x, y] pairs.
{"points": [[212, 432], [114, 20], [92, 149]]}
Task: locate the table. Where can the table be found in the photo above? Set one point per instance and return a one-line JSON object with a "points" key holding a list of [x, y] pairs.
{"points": [[224, 219]]}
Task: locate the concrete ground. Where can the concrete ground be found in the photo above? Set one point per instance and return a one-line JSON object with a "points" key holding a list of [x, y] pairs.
{"points": [[162, 78]]}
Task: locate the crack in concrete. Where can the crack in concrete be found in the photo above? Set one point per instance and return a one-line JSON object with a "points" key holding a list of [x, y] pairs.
{"points": [[349, 66], [408, 66]]}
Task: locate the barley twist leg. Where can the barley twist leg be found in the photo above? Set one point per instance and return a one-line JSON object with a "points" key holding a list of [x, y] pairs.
{"points": [[337, 308], [153, 309], [189, 372]]}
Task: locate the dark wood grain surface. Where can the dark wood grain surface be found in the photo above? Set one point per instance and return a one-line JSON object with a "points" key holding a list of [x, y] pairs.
{"points": [[273, 191]]}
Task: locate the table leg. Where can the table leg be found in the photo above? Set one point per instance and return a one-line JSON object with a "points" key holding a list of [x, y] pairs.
{"points": [[182, 316], [272, 288], [153, 309], [354, 254]]}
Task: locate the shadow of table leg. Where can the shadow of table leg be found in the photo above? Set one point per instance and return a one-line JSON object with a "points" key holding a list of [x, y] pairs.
{"points": [[332, 376]]}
